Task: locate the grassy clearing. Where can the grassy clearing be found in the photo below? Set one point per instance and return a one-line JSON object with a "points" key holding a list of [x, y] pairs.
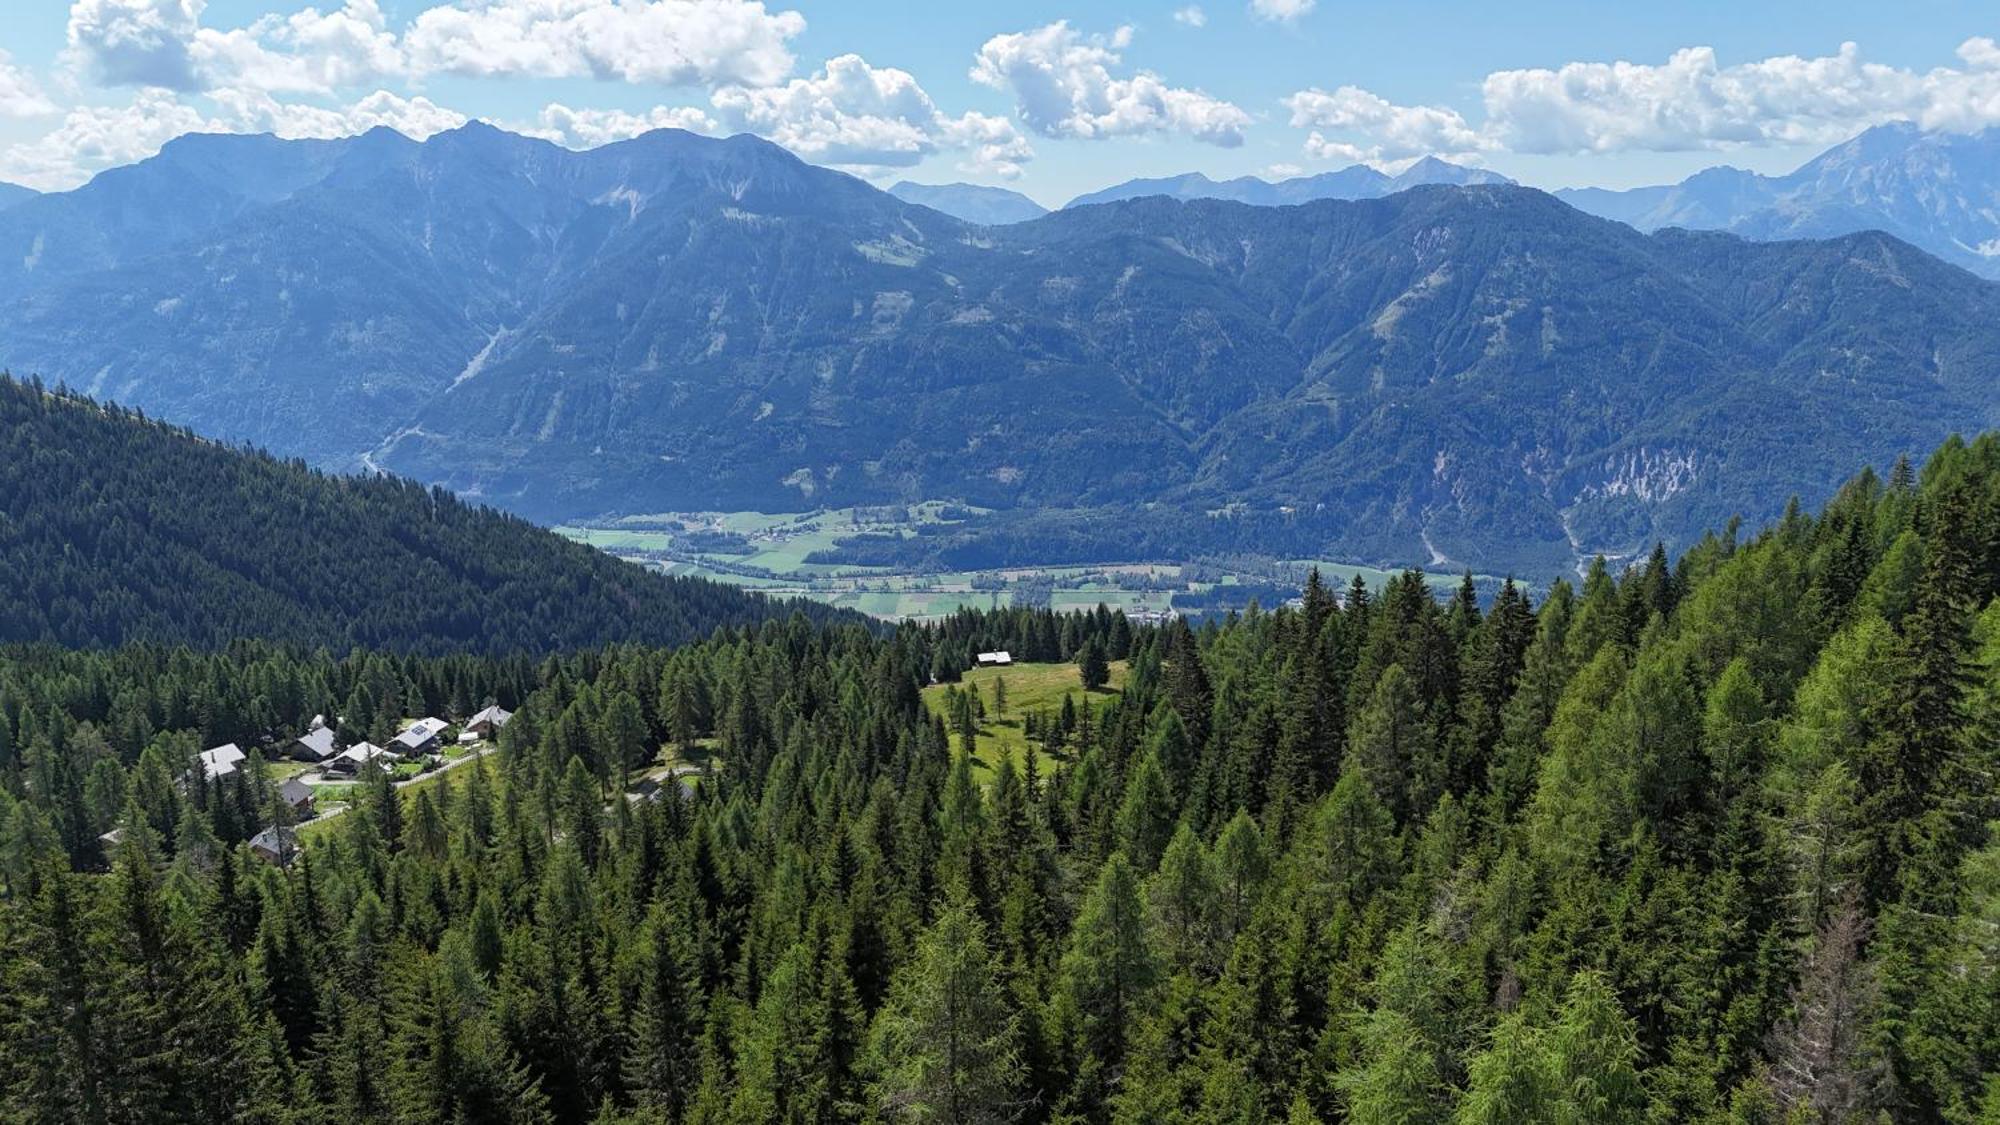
{"points": [[918, 603], [1131, 601], [1030, 687]]}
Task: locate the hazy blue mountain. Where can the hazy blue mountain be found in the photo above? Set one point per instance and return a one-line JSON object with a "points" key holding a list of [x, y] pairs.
{"points": [[1431, 170], [975, 203], [1711, 199], [10, 194], [1354, 182], [1938, 191], [1475, 375]]}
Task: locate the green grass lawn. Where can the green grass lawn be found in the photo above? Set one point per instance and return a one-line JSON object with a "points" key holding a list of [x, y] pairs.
{"points": [[1030, 687], [1130, 601], [619, 539], [896, 604]]}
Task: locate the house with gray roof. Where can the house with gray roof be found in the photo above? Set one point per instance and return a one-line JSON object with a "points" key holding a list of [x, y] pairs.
{"points": [[221, 761], [421, 737], [316, 745], [487, 723]]}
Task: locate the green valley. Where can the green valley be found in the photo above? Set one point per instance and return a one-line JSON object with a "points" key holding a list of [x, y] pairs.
{"points": [[878, 560]]}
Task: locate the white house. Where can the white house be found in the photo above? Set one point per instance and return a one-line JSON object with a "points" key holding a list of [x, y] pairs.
{"points": [[995, 659], [420, 738], [221, 761], [351, 759]]}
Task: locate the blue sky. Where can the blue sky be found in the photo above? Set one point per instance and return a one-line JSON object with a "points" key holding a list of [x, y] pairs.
{"points": [[1050, 98]]}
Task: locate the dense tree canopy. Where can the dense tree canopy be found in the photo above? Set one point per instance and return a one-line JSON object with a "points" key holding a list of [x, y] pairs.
{"points": [[1709, 841], [114, 529]]}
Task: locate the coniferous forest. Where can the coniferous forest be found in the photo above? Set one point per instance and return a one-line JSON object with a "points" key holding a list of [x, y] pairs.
{"points": [[1705, 839], [117, 529]]}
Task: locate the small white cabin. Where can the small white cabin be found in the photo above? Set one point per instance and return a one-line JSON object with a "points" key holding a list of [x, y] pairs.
{"points": [[995, 659]]}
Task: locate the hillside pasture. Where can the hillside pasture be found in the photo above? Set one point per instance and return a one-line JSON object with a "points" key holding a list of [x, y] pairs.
{"points": [[1030, 687]]}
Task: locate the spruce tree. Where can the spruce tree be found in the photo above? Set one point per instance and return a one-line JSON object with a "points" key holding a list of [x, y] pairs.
{"points": [[946, 1046], [1091, 666]]}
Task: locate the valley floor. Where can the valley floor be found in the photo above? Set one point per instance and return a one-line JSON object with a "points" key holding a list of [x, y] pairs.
{"points": [[783, 554]]}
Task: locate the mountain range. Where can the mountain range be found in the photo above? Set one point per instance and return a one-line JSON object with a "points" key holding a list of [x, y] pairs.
{"points": [[1938, 191], [1357, 181], [1462, 375], [10, 194], [1935, 190], [975, 203]]}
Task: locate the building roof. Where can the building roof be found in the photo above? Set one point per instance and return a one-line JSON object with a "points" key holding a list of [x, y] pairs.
{"points": [[1000, 657], [420, 732], [275, 840], [361, 752], [318, 742], [498, 716], [295, 792], [221, 761]]}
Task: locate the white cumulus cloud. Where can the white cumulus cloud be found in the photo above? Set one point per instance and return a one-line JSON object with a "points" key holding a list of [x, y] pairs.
{"points": [[20, 94], [1281, 11], [1192, 16], [589, 128], [865, 117], [136, 42], [1692, 101], [1064, 85], [1393, 132], [162, 43], [307, 52], [667, 42]]}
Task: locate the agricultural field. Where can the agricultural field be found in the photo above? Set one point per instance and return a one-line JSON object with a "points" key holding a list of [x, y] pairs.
{"points": [[1338, 574], [1030, 687], [768, 552]]}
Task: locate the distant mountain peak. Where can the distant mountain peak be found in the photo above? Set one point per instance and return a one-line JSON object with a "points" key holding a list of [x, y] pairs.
{"points": [[1432, 165], [1434, 170], [1356, 181], [974, 203], [1937, 190]]}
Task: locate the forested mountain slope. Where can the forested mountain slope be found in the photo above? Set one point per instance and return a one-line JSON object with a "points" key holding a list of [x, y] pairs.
{"points": [[1712, 841], [116, 529], [1478, 375]]}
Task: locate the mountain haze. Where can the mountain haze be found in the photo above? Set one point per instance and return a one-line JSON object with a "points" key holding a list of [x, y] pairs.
{"points": [[1473, 375], [1357, 181], [1938, 191], [988, 206]]}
